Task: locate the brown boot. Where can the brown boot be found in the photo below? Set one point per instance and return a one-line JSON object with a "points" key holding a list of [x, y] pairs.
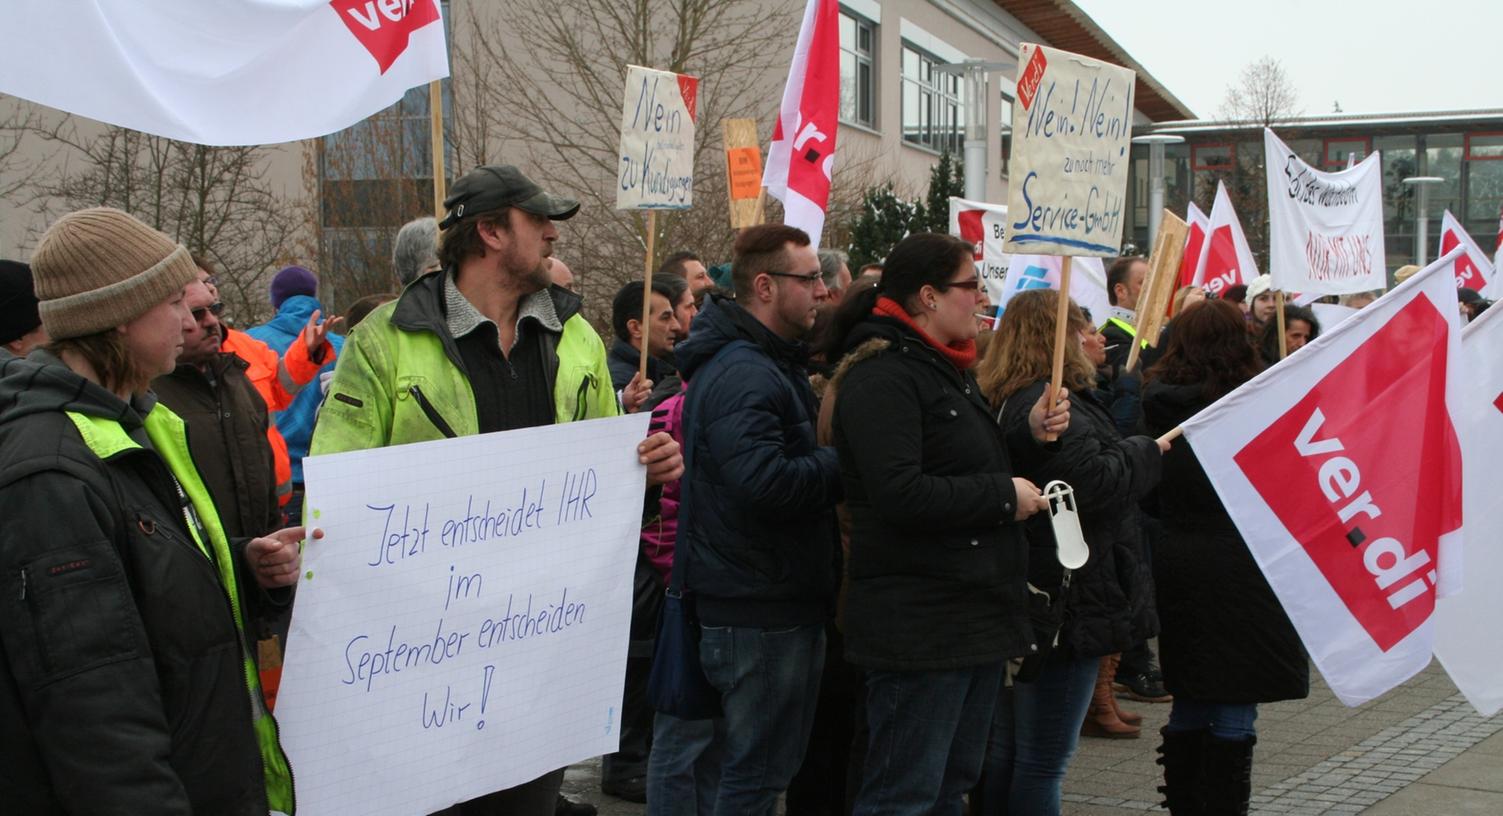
{"points": [[1101, 718], [1129, 717]]}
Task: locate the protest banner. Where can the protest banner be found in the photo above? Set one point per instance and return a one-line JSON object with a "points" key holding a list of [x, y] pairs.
{"points": [[1466, 623], [1159, 285], [1226, 260], [1087, 285], [462, 626], [222, 72], [801, 158], [1195, 238], [1325, 230], [656, 170], [1323, 489], [1473, 269], [743, 172], [983, 226]]}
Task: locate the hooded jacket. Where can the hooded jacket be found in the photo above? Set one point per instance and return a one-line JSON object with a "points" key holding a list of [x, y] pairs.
{"points": [[757, 519], [126, 680], [296, 422]]}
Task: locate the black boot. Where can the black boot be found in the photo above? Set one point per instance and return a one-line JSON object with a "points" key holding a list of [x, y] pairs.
{"points": [[1227, 780], [1182, 755]]}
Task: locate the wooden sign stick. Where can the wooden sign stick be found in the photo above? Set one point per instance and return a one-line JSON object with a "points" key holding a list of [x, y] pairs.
{"points": [[1278, 301], [1061, 334], [436, 132], [652, 230]]}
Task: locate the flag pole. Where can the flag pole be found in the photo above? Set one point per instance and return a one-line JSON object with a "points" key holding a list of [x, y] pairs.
{"points": [[1278, 305], [1172, 435], [652, 229], [1061, 332], [436, 130]]}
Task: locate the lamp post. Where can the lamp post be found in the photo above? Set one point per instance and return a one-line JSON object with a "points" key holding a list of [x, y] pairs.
{"points": [[972, 74], [1156, 142], [1422, 185]]}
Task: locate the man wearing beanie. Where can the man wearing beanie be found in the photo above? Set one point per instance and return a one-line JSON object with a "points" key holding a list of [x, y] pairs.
{"points": [[294, 294], [125, 684], [487, 344], [20, 324]]}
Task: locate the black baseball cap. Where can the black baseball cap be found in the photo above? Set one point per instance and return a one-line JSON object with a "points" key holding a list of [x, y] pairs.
{"points": [[18, 301], [494, 186]]}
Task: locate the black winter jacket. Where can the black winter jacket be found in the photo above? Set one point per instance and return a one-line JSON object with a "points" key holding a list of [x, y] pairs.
{"points": [[121, 683], [1225, 636], [1109, 607], [937, 564], [757, 520], [624, 361]]}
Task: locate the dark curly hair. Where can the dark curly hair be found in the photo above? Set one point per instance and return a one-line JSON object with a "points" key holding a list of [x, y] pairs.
{"points": [[1208, 346]]}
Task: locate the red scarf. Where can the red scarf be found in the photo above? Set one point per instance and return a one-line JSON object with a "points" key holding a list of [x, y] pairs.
{"points": [[961, 353]]}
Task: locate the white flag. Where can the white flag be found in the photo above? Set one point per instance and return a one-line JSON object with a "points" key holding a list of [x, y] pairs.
{"points": [[1466, 625], [1354, 515], [1225, 258], [221, 72], [1087, 281], [1325, 230], [984, 227], [1473, 269]]}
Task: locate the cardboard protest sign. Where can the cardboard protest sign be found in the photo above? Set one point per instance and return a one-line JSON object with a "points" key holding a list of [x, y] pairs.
{"points": [[1474, 270], [222, 72], [1466, 625], [983, 226], [1071, 132], [1323, 488], [462, 627], [656, 169], [1325, 229], [743, 172], [1159, 284]]}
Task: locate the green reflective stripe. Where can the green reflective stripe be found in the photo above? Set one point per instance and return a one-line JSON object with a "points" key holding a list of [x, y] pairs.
{"points": [[106, 438], [1131, 330]]}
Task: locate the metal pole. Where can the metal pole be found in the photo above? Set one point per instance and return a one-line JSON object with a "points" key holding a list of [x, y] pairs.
{"points": [[1155, 190], [1421, 185], [975, 133]]}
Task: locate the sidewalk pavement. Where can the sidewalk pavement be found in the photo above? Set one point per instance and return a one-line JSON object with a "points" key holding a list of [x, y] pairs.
{"points": [[1419, 750]]}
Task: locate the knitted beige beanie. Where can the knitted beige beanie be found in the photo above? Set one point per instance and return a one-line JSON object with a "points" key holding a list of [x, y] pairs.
{"points": [[99, 268]]}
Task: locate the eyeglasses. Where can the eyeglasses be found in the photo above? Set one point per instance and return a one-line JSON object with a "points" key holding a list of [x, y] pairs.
{"points": [[812, 277], [215, 309]]}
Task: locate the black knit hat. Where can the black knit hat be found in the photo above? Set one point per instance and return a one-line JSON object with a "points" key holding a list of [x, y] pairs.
{"points": [[18, 301]]}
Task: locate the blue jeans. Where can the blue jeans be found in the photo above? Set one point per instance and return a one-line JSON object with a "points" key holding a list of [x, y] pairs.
{"points": [[768, 681], [1226, 721], [683, 770], [928, 737], [1034, 733]]}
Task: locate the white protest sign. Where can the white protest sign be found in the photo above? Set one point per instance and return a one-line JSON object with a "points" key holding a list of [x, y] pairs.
{"points": [[1087, 281], [462, 626], [1325, 230], [984, 227], [656, 169], [1071, 131]]}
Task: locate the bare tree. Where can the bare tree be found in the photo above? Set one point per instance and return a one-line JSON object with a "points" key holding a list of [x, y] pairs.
{"points": [[1263, 93], [17, 118], [214, 200]]}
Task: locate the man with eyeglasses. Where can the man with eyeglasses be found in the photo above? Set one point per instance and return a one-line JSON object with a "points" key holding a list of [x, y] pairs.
{"points": [[757, 542]]}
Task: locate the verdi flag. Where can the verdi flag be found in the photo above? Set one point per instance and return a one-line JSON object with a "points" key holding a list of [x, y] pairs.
{"points": [[1474, 270], [1466, 625], [221, 72], [801, 159], [1225, 260], [1354, 515], [1199, 224], [1325, 230]]}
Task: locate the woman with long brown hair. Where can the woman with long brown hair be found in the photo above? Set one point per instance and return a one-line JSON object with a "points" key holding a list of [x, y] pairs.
{"points": [[1226, 643], [1108, 601]]}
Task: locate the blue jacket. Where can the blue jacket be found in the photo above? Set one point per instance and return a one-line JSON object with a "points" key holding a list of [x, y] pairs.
{"points": [[757, 519], [296, 423]]}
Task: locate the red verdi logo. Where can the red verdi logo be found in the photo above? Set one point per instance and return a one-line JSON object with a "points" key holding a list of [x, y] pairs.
{"points": [[1338, 469], [1032, 77], [384, 26], [972, 231]]}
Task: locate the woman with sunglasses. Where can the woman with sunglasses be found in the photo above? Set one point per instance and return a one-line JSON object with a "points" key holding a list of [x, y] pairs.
{"points": [[936, 602]]}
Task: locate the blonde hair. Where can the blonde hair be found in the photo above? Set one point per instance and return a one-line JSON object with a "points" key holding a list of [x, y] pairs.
{"points": [[1021, 352]]}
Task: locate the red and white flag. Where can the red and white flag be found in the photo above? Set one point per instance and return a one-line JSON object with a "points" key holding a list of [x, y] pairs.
{"points": [[1354, 515], [1498, 250], [222, 72], [801, 159], [1225, 260], [1195, 238], [1466, 625], [1474, 270]]}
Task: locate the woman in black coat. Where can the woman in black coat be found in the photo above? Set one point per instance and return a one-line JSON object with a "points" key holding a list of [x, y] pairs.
{"points": [[936, 603], [1108, 601], [1226, 644]]}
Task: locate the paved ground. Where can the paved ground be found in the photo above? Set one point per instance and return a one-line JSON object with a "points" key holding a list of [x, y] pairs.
{"points": [[1419, 750]]}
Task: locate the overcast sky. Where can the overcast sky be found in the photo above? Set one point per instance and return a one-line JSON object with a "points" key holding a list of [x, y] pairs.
{"points": [[1380, 56]]}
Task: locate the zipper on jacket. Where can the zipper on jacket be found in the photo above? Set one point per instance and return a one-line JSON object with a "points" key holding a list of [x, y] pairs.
{"points": [[23, 584], [432, 413], [579, 398]]}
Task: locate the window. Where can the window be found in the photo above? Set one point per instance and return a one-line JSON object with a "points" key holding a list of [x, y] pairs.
{"points": [[858, 39], [1337, 152], [1213, 157], [1484, 146], [933, 114], [1006, 120]]}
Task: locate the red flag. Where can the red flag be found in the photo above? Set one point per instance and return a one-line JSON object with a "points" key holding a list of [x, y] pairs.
{"points": [[1226, 260], [1474, 270], [801, 159], [1195, 239]]}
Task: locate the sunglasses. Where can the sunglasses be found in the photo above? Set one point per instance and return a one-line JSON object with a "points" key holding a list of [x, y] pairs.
{"points": [[215, 309], [973, 284]]}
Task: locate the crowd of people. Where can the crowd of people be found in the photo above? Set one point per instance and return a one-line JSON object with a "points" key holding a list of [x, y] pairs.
{"points": [[847, 513]]}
